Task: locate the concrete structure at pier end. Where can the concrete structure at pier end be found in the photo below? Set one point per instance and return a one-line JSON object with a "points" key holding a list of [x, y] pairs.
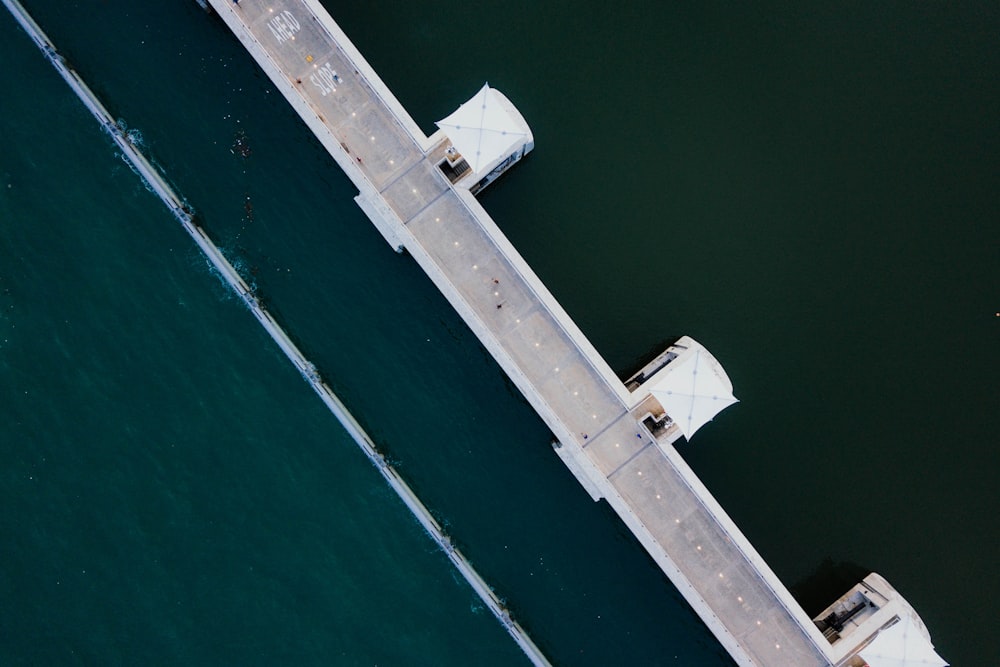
{"points": [[616, 437]]}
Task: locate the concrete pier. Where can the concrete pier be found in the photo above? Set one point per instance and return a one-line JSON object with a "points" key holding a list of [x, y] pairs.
{"points": [[393, 165], [596, 420]]}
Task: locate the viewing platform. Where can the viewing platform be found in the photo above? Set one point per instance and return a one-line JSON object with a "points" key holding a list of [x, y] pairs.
{"points": [[615, 437]]}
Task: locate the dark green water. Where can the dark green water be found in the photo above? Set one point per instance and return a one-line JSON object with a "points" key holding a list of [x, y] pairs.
{"points": [[811, 192]]}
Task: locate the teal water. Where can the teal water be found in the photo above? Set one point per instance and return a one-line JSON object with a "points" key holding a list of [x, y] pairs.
{"points": [[172, 491], [811, 192]]}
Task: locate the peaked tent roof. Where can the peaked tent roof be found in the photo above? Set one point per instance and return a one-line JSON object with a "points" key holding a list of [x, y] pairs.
{"points": [[694, 389], [902, 645], [483, 130]]}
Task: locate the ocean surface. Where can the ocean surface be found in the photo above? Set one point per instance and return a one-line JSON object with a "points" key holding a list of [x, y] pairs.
{"points": [[810, 191]]}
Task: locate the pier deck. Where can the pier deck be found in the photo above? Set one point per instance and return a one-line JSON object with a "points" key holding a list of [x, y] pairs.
{"points": [[579, 397]]}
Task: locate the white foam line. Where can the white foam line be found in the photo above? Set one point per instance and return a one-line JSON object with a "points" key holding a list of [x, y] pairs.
{"points": [[186, 217]]}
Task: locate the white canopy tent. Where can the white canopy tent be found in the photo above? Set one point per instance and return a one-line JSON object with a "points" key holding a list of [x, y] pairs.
{"points": [[902, 645], [486, 129], [694, 389]]}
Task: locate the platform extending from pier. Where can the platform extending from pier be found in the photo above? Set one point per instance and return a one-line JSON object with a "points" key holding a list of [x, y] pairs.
{"points": [[595, 418]]}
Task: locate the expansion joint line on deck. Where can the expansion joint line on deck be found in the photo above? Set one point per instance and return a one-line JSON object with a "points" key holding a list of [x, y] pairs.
{"points": [[398, 177], [423, 208], [629, 460], [426, 204], [597, 434]]}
